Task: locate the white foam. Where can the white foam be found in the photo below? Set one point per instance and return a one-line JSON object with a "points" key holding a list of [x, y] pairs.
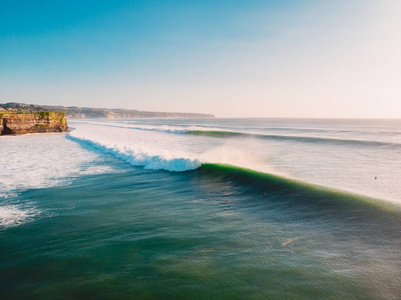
{"points": [[12, 215], [94, 170], [38, 161]]}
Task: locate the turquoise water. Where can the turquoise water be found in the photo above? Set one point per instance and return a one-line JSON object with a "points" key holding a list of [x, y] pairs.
{"points": [[146, 209]]}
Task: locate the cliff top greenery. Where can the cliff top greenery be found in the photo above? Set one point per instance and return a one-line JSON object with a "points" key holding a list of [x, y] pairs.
{"points": [[42, 114]]}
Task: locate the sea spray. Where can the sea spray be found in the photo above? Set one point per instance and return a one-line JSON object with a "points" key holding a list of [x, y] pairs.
{"points": [[231, 154]]}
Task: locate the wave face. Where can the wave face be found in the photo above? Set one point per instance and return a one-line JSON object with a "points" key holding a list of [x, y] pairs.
{"points": [[340, 155], [293, 192]]}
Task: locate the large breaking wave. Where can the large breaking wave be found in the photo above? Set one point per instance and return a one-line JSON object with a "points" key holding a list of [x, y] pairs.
{"points": [[152, 152], [160, 151], [155, 149]]}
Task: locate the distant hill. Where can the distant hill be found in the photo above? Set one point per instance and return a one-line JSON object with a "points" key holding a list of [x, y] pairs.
{"points": [[87, 112]]}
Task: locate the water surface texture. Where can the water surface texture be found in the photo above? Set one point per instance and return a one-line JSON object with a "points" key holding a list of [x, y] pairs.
{"points": [[202, 209]]}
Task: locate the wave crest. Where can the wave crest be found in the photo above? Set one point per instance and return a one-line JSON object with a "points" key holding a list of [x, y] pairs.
{"points": [[134, 152]]}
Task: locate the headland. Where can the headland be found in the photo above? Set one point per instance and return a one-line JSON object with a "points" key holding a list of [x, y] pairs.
{"points": [[36, 122]]}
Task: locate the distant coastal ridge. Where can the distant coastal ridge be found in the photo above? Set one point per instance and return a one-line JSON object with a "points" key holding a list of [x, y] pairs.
{"points": [[87, 112]]}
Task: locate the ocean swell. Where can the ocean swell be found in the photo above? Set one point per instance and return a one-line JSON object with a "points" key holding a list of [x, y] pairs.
{"points": [[229, 133], [292, 191], [294, 138]]}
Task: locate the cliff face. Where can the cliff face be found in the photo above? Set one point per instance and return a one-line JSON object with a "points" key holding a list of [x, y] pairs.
{"points": [[15, 123]]}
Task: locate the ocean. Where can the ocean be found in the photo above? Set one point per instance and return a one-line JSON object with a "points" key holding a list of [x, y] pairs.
{"points": [[202, 209]]}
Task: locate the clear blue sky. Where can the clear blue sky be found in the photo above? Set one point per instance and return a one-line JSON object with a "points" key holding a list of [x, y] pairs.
{"points": [[311, 58]]}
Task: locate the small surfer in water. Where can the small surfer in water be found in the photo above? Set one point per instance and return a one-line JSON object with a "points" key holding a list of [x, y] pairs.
{"points": [[375, 177]]}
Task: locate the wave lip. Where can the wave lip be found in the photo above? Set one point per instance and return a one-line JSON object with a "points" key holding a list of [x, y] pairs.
{"points": [[136, 152]]}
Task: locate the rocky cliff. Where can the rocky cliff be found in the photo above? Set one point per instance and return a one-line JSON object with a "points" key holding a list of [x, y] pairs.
{"points": [[19, 123]]}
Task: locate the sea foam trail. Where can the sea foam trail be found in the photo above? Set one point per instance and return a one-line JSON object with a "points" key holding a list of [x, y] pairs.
{"points": [[37, 161], [14, 214]]}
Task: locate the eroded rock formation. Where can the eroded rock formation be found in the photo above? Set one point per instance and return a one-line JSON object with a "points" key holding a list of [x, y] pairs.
{"points": [[20, 123]]}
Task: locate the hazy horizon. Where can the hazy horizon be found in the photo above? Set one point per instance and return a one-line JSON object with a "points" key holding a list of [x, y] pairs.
{"points": [[226, 117], [270, 59]]}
